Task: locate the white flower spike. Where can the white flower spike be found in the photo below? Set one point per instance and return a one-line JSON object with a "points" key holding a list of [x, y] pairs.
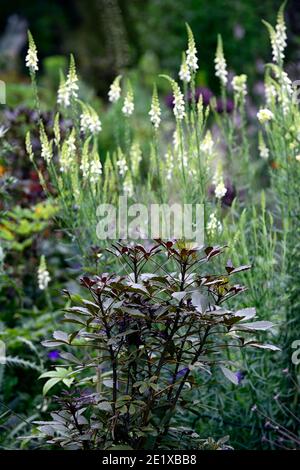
{"points": [[115, 90], [220, 63], [155, 112], [31, 59]]}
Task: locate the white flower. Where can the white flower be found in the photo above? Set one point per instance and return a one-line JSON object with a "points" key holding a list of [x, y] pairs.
{"points": [[239, 86], [270, 93], [43, 274], [63, 95], [46, 152], [185, 161], [220, 190], [264, 115], [95, 169], [89, 121], [135, 156], [184, 72], [155, 111], [128, 106], [220, 63], [68, 88], [128, 186], [218, 181], [207, 145], [191, 52], [213, 225], [262, 148], [68, 153], [178, 101], [115, 90], [122, 164], [176, 140], [298, 158], [169, 165], [72, 79], [263, 151], [284, 97], [85, 162], [31, 59], [46, 146], [278, 37]]}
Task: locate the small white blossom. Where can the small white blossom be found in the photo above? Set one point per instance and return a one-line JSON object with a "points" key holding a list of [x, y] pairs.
{"points": [[191, 52], [278, 37], [207, 145], [264, 151], [298, 158], [128, 106], [128, 186], [95, 170], [135, 156], [72, 80], [63, 94], [68, 153], [264, 115], [43, 274], [239, 86], [89, 121], [213, 225], [115, 90], [285, 95], [176, 140], [220, 190], [184, 72], [270, 93], [220, 63], [85, 164], [155, 112], [121, 164], [185, 161], [178, 101], [218, 181], [31, 59], [262, 148], [169, 165], [68, 88], [46, 146]]}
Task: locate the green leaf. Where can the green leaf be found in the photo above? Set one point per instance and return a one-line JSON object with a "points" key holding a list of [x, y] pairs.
{"points": [[246, 313], [256, 325], [271, 347], [61, 336], [49, 384], [229, 375]]}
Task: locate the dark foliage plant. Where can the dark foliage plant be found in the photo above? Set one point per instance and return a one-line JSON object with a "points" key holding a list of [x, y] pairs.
{"points": [[147, 339]]}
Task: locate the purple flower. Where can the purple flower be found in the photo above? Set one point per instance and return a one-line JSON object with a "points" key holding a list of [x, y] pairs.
{"points": [[181, 372], [206, 94], [53, 355], [238, 31], [240, 376], [228, 105]]}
